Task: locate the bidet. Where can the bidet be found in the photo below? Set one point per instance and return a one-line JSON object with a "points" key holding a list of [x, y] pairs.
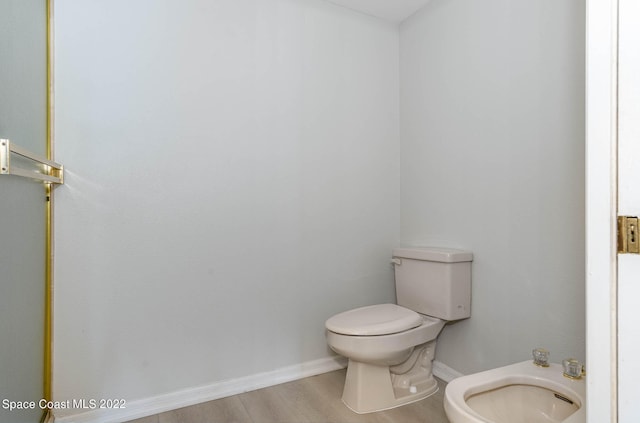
{"points": [[518, 393]]}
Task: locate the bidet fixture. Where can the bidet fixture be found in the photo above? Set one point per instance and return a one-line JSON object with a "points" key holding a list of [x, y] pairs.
{"points": [[518, 393]]}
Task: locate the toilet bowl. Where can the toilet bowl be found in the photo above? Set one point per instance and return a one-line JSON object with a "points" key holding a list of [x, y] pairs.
{"points": [[389, 359], [518, 393], [391, 347], [382, 346]]}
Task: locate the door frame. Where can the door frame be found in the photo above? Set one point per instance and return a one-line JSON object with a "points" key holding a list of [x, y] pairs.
{"points": [[601, 210]]}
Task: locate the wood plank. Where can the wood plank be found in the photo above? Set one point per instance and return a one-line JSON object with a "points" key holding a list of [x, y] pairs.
{"points": [[315, 399]]}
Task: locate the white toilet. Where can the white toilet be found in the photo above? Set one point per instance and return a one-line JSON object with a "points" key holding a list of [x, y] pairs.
{"points": [[391, 347]]}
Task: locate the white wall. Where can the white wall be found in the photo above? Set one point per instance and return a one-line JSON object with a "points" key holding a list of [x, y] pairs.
{"points": [[492, 141], [232, 179]]}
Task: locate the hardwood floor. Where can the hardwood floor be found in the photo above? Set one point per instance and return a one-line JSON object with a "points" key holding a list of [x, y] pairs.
{"points": [[312, 400]]}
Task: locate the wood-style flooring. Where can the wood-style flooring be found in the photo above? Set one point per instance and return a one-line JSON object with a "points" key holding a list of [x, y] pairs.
{"points": [[312, 400]]}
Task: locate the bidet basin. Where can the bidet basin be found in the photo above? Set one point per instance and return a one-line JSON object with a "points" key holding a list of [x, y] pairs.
{"points": [[522, 404], [519, 393]]}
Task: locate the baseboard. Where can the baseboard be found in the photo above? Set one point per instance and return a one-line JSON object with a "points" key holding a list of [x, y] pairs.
{"points": [[191, 396], [445, 372]]}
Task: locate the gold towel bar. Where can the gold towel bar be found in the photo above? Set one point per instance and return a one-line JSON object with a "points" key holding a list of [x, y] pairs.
{"points": [[51, 172]]}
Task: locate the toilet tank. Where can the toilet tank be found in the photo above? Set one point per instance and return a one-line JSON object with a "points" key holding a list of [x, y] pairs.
{"points": [[434, 281]]}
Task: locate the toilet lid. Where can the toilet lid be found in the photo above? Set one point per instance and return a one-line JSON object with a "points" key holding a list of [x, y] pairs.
{"points": [[381, 319]]}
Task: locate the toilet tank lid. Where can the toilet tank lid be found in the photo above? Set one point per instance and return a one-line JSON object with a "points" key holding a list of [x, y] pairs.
{"points": [[439, 254]]}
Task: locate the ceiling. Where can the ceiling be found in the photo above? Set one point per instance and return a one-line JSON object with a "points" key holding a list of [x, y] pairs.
{"points": [[392, 10]]}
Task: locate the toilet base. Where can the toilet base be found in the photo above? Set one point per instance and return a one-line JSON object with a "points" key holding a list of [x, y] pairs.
{"points": [[369, 388]]}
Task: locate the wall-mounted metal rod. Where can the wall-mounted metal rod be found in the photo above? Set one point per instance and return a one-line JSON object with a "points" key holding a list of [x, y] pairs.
{"points": [[50, 172]]}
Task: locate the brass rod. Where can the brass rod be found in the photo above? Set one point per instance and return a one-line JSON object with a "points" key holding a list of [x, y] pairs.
{"points": [[48, 297]]}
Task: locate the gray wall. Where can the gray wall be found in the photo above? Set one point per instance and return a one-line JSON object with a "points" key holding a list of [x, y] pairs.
{"points": [[231, 182], [239, 171], [492, 142]]}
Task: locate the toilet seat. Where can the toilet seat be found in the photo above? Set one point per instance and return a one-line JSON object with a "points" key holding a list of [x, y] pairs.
{"points": [[381, 319]]}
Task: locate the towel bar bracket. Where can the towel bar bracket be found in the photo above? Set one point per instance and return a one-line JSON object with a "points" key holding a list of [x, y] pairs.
{"points": [[49, 171], [4, 157]]}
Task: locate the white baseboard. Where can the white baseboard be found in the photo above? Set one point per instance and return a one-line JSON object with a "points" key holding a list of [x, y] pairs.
{"points": [[186, 397], [445, 372], [191, 396]]}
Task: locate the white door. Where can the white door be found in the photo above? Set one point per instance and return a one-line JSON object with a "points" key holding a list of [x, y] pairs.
{"points": [[629, 204]]}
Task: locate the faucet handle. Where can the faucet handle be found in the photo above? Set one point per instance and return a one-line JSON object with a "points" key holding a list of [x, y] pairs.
{"points": [[541, 357], [572, 368]]}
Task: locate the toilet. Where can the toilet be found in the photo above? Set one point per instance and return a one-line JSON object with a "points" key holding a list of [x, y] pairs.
{"points": [[391, 347]]}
